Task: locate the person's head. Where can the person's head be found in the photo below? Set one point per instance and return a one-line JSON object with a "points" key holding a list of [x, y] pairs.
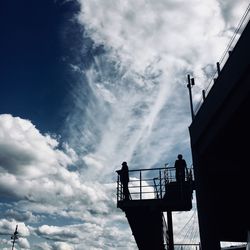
{"points": [[179, 156], [124, 163]]}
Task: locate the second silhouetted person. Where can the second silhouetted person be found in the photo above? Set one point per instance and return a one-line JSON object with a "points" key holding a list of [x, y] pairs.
{"points": [[180, 168]]}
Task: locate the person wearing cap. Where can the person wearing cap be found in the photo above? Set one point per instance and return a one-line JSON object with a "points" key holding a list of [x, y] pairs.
{"points": [[180, 168], [124, 178]]}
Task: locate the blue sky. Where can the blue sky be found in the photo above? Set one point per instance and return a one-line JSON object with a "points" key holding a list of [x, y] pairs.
{"points": [[86, 85]]}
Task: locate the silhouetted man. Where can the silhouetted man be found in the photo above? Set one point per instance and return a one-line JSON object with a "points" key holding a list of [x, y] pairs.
{"points": [[124, 178], [180, 168]]}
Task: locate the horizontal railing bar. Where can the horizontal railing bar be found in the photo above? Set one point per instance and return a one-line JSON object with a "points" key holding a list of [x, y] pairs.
{"points": [[144, 180], [187, 244], [148, 186], [152, 169], [149, 169], [143, 193]]}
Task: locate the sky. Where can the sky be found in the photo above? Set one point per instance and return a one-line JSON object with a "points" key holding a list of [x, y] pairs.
{"points": [[86, 85]]}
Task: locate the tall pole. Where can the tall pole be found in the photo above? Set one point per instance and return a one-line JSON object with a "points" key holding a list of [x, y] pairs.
{"points": [[170, 231], [14, 237], [189, 86]]}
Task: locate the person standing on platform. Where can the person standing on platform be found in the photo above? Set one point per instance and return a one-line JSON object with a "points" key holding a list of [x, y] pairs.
{"points": [[124, 178], [180, 169]]}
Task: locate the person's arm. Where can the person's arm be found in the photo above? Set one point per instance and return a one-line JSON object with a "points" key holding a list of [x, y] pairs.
{"points": [[186, 169]]}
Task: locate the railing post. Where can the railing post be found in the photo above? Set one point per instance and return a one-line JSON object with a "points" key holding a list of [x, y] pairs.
{"points": [[140, 187], [189, 86], [218, 67], [117, 194], [170, 231], [160, 184], [203, 94]]}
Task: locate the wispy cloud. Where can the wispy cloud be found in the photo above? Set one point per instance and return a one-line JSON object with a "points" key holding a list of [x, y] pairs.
{"points": [[137, 107], [130, 104]]}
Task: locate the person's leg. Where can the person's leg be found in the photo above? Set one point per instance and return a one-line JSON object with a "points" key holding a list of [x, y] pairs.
{"points": [[126, 191]]}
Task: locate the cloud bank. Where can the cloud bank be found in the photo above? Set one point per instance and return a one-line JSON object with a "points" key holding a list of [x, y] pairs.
{"points": [[37, 186], [130, 104]]}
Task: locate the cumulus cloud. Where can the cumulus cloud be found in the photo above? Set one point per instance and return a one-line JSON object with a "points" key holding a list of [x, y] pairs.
{"points": [[33, 170], [23, 243], [32, 165], [130, 104], [80, 236], [56, 233], [59, 193], [8, 227], [54, 246], [24, 151], [22, 216]]}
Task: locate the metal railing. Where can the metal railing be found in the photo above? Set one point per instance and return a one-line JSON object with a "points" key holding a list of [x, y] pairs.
{"points": [[226, 54], [187, 247], [149, 183]]}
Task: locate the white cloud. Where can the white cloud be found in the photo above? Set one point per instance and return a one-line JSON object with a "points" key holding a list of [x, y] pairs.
{"points": [[23, 243], [22, 216], [9, 226], [58, 193], [138, 106], [63, 246], [56, 233], [26, 152], [54, 246], [32, 166], [132, 104], [85, 236], [140, 31]]}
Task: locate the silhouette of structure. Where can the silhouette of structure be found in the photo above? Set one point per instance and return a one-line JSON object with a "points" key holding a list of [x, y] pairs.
{"points": [[180, 169], [154, 191], [220, 133], [124, 179], [14, 237]]}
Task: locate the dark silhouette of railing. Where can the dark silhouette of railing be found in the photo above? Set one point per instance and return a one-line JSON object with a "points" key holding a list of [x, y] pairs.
{"points": [[150, 183], [152, 192], [226, 54], [187, 247]]}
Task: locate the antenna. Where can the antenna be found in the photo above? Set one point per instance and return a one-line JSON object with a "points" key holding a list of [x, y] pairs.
{"points": [[189, 86], [14, 237]]}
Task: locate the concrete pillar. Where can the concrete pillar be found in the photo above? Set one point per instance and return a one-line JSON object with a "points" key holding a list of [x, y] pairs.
{"points": [[248, 240], [170, 231], [207, 224]]}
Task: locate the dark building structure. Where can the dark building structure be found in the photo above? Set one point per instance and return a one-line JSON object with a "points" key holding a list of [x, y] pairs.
{"points": [[220, 137], [219, 134], [152, 192]]}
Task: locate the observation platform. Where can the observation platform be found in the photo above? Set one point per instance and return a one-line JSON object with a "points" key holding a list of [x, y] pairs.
{"points": [[157, 188], [152, 192]]}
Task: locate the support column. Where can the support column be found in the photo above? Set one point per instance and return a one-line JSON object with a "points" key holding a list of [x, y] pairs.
{"points": [[207, 225], [170, 231], [248, 240]]}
